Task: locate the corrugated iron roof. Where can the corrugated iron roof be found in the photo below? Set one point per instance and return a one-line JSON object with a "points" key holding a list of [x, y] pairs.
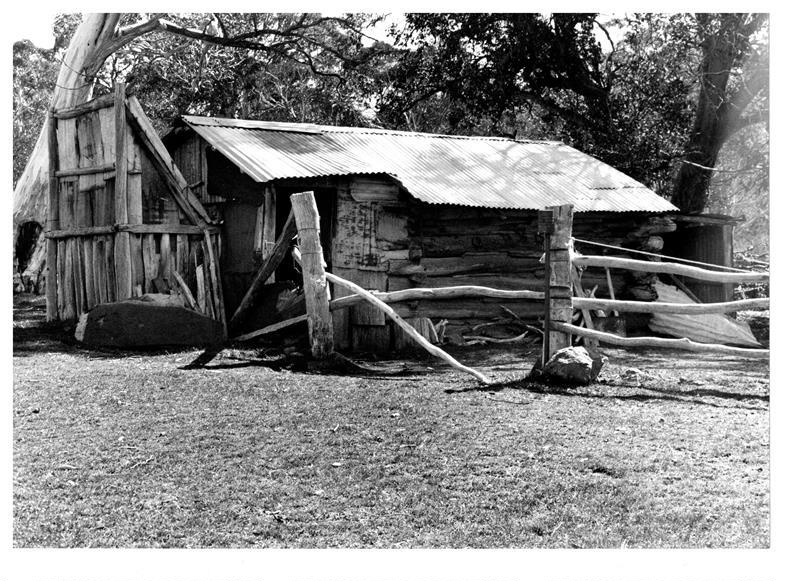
{"points": [[488, 172]]}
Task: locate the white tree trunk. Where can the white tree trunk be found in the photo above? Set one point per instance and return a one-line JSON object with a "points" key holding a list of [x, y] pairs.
{"points": [[84, 58]]}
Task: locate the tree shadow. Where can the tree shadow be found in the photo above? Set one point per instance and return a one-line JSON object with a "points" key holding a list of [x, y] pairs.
{"points": [[659, 395], [337, 366]]}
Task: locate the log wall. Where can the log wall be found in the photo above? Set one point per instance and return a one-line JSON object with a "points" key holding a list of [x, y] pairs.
{"points": [[387, 241]]}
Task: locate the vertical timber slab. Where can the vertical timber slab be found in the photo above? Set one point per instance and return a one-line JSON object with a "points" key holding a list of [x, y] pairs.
{"points": [[69, 281], [315, 285], [80, 279], [182, 256], [258, 232], [218, 298], [137, 264], [83, 210], [111, 285], [122, 244], [93, 120], [560, 276], [150, 261], [107, 121], [51, 286], [61, 276], [134, 176], [66, 202], [86, 158], [67, 144], [269, 226], [209, 286], [98, 253], [201, 289], [165, 266], [88, 265]]}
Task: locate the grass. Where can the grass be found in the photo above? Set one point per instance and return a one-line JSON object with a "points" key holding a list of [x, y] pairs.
{"points": [[129, 450]]}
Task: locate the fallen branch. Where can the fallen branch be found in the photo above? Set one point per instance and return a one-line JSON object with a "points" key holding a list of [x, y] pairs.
{"points": [[266, 269], [186, 292], [411, 331], [389, 312], [521, 322], [482, 339], [271, 328]]}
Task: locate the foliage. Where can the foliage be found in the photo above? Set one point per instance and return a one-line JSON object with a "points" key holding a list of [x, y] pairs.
{"points": [[636, 103], [34, 80], [633, 105], [732, 94], [740, 187], [289, 67], [283, 67], [487, 65]]}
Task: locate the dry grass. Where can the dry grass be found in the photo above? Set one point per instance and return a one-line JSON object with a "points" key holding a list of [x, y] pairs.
{"points": [[129, 450]]}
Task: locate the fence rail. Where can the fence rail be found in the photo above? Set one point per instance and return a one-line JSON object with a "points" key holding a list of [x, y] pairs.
{"points": [[671, 308], [557, 325], [669, 268], [682, 343]]}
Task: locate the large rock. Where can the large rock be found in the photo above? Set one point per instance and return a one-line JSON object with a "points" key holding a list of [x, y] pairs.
{"points": [[574, 366], [146, 323]]}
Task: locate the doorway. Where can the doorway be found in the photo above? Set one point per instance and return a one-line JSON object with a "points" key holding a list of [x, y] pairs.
{"points": [[325, 198]]}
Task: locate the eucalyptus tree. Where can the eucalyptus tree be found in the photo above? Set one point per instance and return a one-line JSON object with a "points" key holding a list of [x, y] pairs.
{"points": [[287, 66]]}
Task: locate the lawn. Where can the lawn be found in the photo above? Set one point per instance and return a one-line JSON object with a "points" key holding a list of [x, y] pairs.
{"points": [[124, 449]]}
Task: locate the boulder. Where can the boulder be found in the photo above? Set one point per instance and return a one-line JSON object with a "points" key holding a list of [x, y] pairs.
{"points": [[574, 366], [146, 323]]}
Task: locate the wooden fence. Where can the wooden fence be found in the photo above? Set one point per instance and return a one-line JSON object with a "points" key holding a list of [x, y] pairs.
{"points": [[558, 327], [560, 260]]}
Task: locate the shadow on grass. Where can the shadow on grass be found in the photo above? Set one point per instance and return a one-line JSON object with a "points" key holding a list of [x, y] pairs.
{"points": [[661, 395], [338, 367]]}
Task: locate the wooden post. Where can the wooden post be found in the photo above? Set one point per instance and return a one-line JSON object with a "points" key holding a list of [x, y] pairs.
{"points": [[122, 240], [545, 226], [315, 286], [51, 293], [558, 272], [269, 234]]}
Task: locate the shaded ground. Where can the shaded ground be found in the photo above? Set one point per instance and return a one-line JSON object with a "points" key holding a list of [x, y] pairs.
{"points": [[127, 449]]}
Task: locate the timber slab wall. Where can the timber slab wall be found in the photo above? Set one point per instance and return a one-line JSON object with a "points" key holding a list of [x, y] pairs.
{"points": [[116, 227]]}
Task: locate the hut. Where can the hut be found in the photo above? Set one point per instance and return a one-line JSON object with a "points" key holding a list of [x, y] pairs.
{"points": [[402, 210], [197, 213]]}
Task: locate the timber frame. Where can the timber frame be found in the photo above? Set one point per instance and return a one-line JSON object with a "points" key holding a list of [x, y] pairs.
{"points": [[121, 219]]}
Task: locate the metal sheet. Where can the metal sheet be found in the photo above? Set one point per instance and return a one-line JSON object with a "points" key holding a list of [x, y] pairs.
{"points": [[439, 169]]}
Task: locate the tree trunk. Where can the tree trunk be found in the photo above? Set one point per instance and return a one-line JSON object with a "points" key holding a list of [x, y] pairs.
{"points": [[715, 117], [84, 58]]}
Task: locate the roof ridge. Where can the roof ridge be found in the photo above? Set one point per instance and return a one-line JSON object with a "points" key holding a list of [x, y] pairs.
{"points": [[293, 127]]}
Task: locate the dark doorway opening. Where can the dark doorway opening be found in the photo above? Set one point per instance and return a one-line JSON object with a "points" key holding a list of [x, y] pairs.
{"points": [[325, 199], [27, 237]]}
